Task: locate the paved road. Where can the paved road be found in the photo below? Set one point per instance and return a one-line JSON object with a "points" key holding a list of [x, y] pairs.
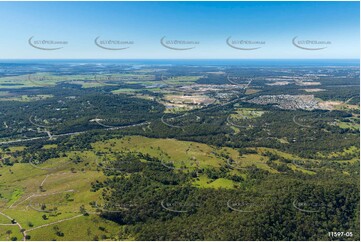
{"points": [[206, 108], [69, 134]]}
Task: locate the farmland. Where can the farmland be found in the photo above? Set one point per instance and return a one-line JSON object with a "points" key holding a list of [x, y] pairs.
{"points": [[123, 152]]}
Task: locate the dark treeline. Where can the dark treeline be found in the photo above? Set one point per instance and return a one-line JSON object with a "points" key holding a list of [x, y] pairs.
{"points": [[157, 203]]}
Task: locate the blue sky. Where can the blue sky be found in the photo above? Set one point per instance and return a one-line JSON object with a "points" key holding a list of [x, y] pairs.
{"points": [[209, 23]]}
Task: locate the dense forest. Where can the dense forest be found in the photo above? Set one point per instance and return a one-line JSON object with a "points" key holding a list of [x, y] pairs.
{"points": [[160, 204]]}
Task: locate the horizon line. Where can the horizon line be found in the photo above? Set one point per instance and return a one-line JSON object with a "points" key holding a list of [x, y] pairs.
{"points": [[180, 59]]}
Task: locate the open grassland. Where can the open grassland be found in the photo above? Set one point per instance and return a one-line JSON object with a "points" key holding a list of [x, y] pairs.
{"points": [[176, 80], [8, 232], [90, 227], [86, 80], [51, 200], [182, 154], [351, 153], [190, 155], [205, 182], [246, 113], [42, 196], [349, 123]]}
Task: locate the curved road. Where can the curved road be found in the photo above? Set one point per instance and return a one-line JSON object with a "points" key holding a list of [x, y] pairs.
{"points": [[69, 134], [19, 225]]}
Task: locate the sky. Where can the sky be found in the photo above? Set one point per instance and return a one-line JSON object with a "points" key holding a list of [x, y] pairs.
{"points": [[269, 28]]}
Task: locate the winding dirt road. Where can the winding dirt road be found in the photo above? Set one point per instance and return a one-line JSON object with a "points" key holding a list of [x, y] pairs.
{"points": [[23, 231]]}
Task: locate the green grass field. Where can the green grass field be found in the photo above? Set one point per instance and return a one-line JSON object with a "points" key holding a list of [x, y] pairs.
{"points": [[45, 199], [246, 113], [86, 81]]}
